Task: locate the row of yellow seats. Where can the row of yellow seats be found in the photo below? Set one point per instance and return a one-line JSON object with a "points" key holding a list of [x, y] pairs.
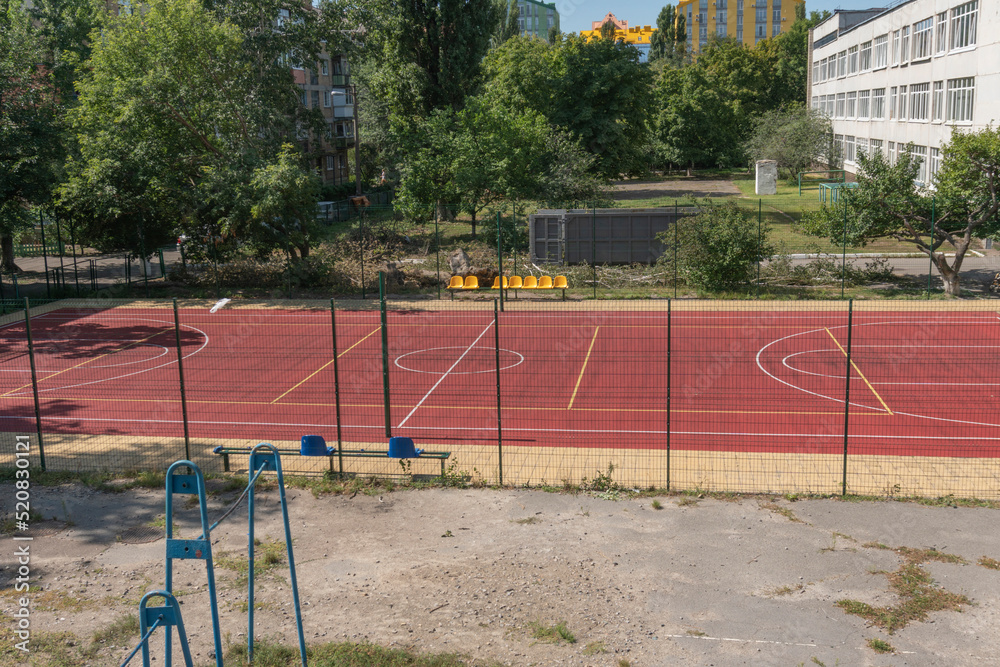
{"points": [[514, 282]]}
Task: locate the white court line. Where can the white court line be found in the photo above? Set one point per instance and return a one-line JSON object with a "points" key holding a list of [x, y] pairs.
{"points": [[441, 379], [492, 429]]}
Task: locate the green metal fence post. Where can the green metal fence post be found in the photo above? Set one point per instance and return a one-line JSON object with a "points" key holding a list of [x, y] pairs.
{"points": [[385, 356], [843, 259], [437, 249], [180, 375], [593, 247], [45, 257], [336, 386], [496, 336], [361, 234], [676, 225], [760, 239], [59, 248], [163, 264], [34, 382], [72, 244], [930, 254], [847, 391], [500, 259], [669, 340], [800, 183]]}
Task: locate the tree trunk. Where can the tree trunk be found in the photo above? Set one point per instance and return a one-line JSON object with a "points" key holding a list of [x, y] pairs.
{"points": [[473, 223], [949, 274], [444, 213], [690, 169], [7, 254]]}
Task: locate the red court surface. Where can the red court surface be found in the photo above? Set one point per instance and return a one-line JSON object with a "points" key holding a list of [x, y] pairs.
{"points": [[921, 383]]}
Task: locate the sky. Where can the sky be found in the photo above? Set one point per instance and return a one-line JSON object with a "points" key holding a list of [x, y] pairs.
{"points": [[577, 15]]}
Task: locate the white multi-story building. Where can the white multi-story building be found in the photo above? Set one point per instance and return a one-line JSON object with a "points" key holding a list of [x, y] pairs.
{"points": [[908, 74]]}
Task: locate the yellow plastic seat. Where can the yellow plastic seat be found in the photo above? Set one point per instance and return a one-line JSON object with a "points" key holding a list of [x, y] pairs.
{"points": [[471, 282], [515, 282], [560, 283], [457, 282], [530, 282], [545, 282], [496, 283]]}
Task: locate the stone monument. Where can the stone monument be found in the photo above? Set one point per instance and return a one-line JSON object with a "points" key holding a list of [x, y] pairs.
{"points": [[767, 177]]}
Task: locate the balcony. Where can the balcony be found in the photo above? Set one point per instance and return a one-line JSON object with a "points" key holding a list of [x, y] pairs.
{"points": [[340, 80], [343, 142]]}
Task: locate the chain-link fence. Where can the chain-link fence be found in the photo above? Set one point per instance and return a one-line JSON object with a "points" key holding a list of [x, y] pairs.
{"points": [[880, 398]]}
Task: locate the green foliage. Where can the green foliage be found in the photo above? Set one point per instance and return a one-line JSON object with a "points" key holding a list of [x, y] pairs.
{"points": [[30, 144], [889, 203], [696, 125], [284, 209], [719, 248], [669, 42], [795, 137]]}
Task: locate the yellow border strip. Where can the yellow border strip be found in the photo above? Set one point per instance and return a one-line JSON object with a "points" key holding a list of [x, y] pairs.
{"points": [[585, 360], [83, 363], [325, 365], [859, 372]]}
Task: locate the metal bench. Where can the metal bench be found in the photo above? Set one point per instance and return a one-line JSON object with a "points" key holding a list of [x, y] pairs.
{"points": [[315, 445]]}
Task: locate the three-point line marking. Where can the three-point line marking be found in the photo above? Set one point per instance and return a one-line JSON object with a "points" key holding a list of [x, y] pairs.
{"points": [[582, 370], [855, 366]]}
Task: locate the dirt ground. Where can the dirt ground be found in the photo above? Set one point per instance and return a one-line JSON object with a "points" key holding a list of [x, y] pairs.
{"points": [[680, 188], [473, 571]]}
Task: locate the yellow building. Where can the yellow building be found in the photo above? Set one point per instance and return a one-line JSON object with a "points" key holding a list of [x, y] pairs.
{"points": [[637, 36], [748, 21]]}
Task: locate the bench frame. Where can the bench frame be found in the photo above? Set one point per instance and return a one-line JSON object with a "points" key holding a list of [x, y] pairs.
{"points": [[331, 454]]}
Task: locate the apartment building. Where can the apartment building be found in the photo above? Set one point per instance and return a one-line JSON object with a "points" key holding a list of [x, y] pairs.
{"points": [[747, 21], [638, 36], [537, 18], [909, 74], [327, 86]]}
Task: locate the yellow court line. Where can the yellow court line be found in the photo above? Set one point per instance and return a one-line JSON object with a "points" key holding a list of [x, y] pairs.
{"points": [[860, 373], [326, 364], [585, 360], [82, 363]]}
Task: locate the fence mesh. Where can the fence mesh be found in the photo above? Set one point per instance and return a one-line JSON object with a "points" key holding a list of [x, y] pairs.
{"points": [[872, 398]]}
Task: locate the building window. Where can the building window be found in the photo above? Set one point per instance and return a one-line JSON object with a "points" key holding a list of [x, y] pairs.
{"points": [[720, 29], [963, 25], [919, 155], [313, 77], [895, 47], [315, 99], [842, 63], [829, 105], [892, 102], [852, 60], [839, 139], [775, 30], [874, 146], [960, 98], [841, 100], [862, 146], [822, 69], [864, 104], [920, 94], [329, 163], [305, 98], [935, 165], [720, 16], [922, 34], [816, 78], [762, 13], [849, 147], [880, 52], [878, 103], [865, 62], [902, 103], [852, 105], [324, 66], [338, 67], [937, 102], [942, 32], [904, 45], [326, 98], [815, 102]]}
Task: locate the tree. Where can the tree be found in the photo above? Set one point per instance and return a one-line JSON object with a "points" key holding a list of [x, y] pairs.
{"points": [[30, 145], [669, 42], [64, 27], [787, 57], [889, 203], [284, 208], [719, 248], [695, 125], [796, 138], [609, 31]]}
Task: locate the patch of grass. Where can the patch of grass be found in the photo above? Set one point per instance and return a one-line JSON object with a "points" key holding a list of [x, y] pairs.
{"points": [[989, 563], [595, 648], [916, 590], [267, 556], [551, 634], [270, 654], [123, 631], [785, 590], [880, 646], [783, 511], [833, 543], [656, 505], [687, 501], [697, 633], [528, 521]]}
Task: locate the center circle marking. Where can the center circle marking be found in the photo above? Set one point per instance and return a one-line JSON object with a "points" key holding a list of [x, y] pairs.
{"points": [[519, 361]]}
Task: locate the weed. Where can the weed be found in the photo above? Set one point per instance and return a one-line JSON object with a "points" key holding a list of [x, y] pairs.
{"points": [[120, 632], [989, 563], [267, 556], [624, 663], [602, 481], [447, 533], [785, 590], [528, 521], [595, 648], [552, 634], [697, 633], [657, 505], [880, 646], [783, 511], [687, 501]]}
